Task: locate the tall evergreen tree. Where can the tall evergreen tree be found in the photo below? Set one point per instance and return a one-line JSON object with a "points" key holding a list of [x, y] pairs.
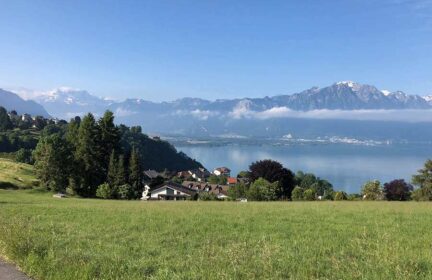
{"points": [[135, 177], [5, 122], [88, 157], [109, 137], [121, 177], [112, 169], [72, 130], [53, 157]]}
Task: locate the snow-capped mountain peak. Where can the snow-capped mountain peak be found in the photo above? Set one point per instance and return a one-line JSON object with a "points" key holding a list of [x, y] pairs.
{"points": [[350, 84], [386, 92]]}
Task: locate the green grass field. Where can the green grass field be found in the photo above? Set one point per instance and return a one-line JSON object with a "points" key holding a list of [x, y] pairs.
{"points": [[94, 239], [16, 175]]}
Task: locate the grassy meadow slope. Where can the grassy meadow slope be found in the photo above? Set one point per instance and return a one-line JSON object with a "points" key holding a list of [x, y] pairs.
{"points": [[86, 239], [16, 175]]}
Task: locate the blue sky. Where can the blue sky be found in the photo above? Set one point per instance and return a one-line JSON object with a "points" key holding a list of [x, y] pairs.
{"points": [[163, 50]]}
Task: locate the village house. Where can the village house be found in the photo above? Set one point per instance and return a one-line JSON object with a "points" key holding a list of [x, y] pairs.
{"points": [[222, 171], [221, 191], [172, 191], [199, 174], [231, 180]]}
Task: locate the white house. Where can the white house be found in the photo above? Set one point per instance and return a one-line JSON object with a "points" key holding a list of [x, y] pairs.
{"points": [[225, 171], [171, 191]]}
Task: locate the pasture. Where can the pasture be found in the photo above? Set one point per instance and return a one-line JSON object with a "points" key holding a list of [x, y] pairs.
{"points": [[98, 239]]}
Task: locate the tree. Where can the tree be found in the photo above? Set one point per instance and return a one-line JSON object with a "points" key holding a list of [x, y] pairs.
{"points": [[340, 196], [112, 169], [40, 122], [372, 190], [135, 172], [88, 157], [121, 176], [24, 156], [273, 171], [424, 176], [5, 122], [220, 180], [397, 190], [309, 194], [52, 162], [72, 130], [109, 137], [423, 194], [261, 189], [297, 193], [237, 191]]}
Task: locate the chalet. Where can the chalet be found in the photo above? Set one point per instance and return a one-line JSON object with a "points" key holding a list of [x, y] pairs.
{"points": [[221, 191], [172, 191], [222, 171]]}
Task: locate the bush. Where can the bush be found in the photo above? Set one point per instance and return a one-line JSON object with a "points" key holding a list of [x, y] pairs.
{"points": [[105, 191], [309, 194], [206, 196], [397, 190], [297, 194], [126, 191], [340, 196]]}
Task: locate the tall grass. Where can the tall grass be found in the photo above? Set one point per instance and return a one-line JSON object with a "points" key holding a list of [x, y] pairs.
{"points": [[89, 239]]}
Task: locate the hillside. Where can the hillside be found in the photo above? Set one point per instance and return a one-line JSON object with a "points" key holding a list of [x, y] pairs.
{"points": [[12, 101], [16, 175]]}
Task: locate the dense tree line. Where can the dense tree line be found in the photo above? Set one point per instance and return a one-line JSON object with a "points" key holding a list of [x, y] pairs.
{"points": [[90, 157]]}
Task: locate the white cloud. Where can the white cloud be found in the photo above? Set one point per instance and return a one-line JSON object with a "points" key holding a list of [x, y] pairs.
{"points": [[121, 112], [410, 115], [197, 113]]}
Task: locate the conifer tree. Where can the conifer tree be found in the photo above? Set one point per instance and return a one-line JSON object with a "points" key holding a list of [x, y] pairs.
{"points": [[109, 137], [135, 177], [121, 177], [112, 169], [88, 157]]}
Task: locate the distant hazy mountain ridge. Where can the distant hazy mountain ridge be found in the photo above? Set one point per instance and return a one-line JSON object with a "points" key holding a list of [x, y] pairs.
{"points": [[12, 101]]}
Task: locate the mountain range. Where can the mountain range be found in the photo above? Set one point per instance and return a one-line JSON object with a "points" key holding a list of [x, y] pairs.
{"points": [[315, 110], [12, 101]]}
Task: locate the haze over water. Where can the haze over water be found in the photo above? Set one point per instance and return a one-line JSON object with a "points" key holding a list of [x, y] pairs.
{"points": [[347, 167]]}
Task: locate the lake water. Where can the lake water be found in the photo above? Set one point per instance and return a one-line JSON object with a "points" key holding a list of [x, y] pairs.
{"points": [[346, 166]]}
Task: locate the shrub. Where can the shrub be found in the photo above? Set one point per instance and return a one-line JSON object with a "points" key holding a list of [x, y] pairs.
{"points": [[105, 191], [206, 196], [126, 191], [309, 194], [397, 190], [340, 196], [297, 193]]}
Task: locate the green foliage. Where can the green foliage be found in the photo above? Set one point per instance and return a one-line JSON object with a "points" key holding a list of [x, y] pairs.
{"points": [[372, 190], [310, 181], [340, 196], [263, 190], [220, 180], [52, 162], [24, 156], [121, 175], [135, 172], [423, 194], [424, 176], [273, 171], [206, 196], [309, 194], [126, 191], [297, 193], [397, 190], [5, 122], [238, 191], [243, 174], [106, 191]]}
